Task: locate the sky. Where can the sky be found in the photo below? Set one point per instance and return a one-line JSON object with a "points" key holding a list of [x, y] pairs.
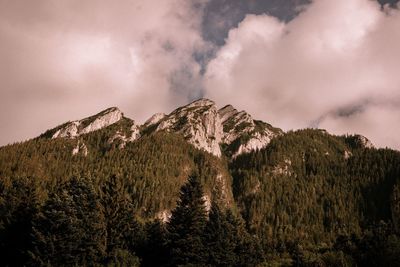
{"points": [[331, 64]]}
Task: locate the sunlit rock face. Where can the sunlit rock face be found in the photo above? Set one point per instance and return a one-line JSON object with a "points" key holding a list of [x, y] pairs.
{"points": [[124, 138], [80, 148], [242, 134], [224, 131], [90, 124], [199, 123], [213, 130], [154, 119]]}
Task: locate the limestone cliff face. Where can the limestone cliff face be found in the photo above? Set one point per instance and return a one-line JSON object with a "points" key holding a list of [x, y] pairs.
{"points": [[154, 119], [87, 125], [224, 131], [242, 134], [199, 123], [208, 128]]}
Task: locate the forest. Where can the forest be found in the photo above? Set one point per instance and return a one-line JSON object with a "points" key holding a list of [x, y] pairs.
{"points": [[308, 199]]}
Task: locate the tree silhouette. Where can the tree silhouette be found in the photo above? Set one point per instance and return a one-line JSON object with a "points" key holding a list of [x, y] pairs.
{"points": [[69, 229], [185, 229]]}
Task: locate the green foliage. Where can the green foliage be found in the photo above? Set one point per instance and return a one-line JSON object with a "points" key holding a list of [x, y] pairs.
{"points": [[302, 186], [119, 222], [153, 168], [221, 239], [228, 242], [379, 245], [308, 199], [185, 229], [69, 231]]}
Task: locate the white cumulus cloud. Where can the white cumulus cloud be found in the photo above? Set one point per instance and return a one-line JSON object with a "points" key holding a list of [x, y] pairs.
{"points": [[334, 66], [66, 59]]}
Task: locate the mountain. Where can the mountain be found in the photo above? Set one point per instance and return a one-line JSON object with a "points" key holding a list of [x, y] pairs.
{"points": [[204, 126], [243, 134], [87, 125], [306, 195]]}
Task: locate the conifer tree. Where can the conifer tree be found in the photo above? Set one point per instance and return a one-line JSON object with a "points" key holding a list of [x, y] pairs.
{"points": [[152, 250], [18, 206], [220, 238], [248, 250], [185, 229], [69, 230], [119, 222]]}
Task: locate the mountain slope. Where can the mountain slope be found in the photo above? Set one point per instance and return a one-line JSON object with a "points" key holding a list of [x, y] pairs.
{"points": [[311, 185], [306, 184]]}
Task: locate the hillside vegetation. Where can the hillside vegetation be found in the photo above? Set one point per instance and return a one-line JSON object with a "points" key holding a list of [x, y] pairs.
{"points": [[307, 199]]}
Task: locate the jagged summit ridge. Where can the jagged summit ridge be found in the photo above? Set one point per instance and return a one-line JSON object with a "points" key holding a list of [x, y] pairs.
{"points": [[226, 112], [238, 124], [217, 131], [101, 120], [154, 119], [199, 123], [208, 128]]}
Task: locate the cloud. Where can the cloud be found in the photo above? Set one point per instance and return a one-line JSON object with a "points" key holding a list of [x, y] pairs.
{"points": [[222, 15], [334, 66], [62, 60]]}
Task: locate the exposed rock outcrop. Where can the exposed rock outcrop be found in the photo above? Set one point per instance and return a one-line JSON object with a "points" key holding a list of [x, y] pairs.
{"points": [[242, 134], [93, 123], [80, 148], [199, 123], [364, 141], [154, 119], [123, 138]]}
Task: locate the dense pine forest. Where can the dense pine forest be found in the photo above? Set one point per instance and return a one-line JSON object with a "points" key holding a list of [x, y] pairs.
{"points": [[307, 199]]}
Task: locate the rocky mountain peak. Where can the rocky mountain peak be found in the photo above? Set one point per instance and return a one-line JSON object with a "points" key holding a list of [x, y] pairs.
{"points": [[202, 102], [154, 119], [199, 123], [101, 120], [208, 128], [93, 123], [226, 112], [238, 124]]}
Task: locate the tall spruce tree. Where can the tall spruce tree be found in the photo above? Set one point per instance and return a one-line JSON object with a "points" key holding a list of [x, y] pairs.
{"points": [[248, 250], [152, 249], [185, 229], [221, 239], [119, 221]]}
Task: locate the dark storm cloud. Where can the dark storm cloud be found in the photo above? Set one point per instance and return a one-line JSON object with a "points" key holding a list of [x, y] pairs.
{"points": [[222, 15], [390, 2]]}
